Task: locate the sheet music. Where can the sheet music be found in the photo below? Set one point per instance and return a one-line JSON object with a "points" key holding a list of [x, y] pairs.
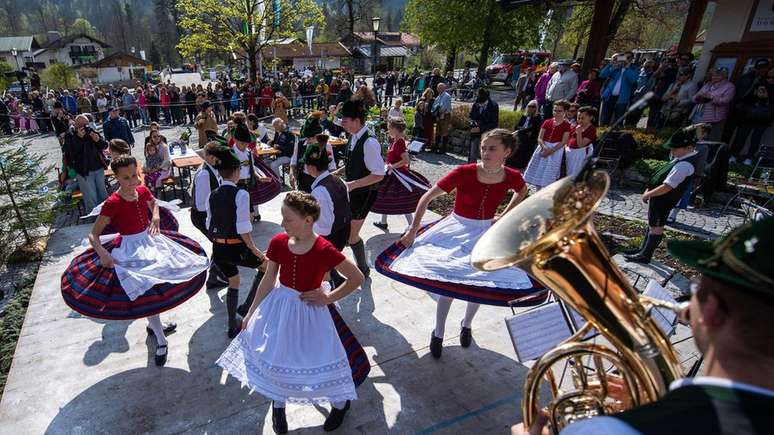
{"points": [[537, 331], [579, 321], [664, 318]]}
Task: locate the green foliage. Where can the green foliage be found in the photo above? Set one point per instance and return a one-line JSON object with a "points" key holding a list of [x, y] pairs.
{"points": [[241, 26], [464, 24], [82, 25], [509, 118], [26, 203], [59, 75], [5, 82], [11, 324], [649, 141]]}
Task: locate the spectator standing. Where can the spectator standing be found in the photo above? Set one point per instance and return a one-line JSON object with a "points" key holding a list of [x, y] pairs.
{"points": [[442, 108], [164, 100], [117, 127], [745, 85], [345, 93], [621, 78], [280, 106], [542, 84], [484, 116], [152, 105], [83, 103], [60, 119], [129, 106], [562, 86], [645, 83], [83, 151], [677, 101], [589, 91], [755, 118], [525, 89], [205, 123], [713, 101], [527, 129], [68, 102], [425, 108], [663, 77]]}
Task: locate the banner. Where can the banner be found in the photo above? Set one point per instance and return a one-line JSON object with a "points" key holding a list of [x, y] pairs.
{"points": [[277, 12], [309, 35]]}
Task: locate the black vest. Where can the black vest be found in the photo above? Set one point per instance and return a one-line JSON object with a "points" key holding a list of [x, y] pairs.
{"points": [[285, 142], [223, 212], [213, 184], [356, 167], [342, 215], [674, 195], [705, 410]]}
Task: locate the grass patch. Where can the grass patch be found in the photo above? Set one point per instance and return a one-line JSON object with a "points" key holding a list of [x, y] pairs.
{"points": [[11, 324]]}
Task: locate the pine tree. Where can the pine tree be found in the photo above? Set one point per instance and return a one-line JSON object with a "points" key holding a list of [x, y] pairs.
{"points": [[154, 56], [27, 206]]}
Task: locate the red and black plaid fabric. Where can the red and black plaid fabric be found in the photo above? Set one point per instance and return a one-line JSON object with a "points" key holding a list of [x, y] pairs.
{"points": [[394, 198], [358, 360], [265, 192], [470, 293], [95, 291], [168, 222]]}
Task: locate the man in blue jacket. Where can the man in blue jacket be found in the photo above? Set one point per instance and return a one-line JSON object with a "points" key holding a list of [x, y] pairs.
{"points": [[621, 78], [117, 127], [68, 101]]}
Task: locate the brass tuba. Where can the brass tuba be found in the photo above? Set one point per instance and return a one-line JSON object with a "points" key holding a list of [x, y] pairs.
{"points": [[550, 235]]}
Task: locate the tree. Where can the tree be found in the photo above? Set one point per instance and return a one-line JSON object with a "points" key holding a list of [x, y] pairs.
{"points": [[82, 25], [482, 26], [166, 31], [26, 205], [154, 55], [243, 27], [5, 82], [59, 75]]}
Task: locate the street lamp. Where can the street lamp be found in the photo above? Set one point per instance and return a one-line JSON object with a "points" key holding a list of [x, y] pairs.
{"points": [[375, 22]]}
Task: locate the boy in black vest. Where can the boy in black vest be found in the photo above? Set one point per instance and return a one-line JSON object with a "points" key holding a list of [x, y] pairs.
{"points": [[230, 228], [364, 170], [300, 179], [730, 313], [664, 191], [335, 215], [205, 181]]}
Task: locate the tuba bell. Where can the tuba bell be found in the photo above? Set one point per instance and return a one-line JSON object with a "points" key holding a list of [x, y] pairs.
{"points": [[551, 236]]}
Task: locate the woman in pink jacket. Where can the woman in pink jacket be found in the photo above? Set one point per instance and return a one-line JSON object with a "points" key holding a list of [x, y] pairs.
{"points": [[714, 98]]}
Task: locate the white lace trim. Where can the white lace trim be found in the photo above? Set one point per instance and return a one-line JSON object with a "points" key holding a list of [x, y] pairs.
{"points": [[309, 385]]}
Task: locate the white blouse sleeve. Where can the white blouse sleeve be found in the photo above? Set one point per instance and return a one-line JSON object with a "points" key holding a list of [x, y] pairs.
{"points": [[372, 153]]}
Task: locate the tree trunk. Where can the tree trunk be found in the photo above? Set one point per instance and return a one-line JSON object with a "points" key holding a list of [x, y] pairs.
{"points": [[451, 60], [252, 52], [577, 48], [615, 22], [486, 44], [351, 18]]}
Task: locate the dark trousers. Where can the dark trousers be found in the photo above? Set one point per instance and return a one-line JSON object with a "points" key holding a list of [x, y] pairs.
{"points": [[611, 111], [548, 109], [742, 132]]}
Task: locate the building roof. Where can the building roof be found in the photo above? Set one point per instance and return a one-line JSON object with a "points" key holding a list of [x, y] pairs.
{"points": [[21, 43], [391, 38], [299, 49], [386, 51], [61, 42], [110, 60]]}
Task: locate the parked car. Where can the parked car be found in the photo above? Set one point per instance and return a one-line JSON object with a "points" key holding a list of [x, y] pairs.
{"points": [[501, 68]]}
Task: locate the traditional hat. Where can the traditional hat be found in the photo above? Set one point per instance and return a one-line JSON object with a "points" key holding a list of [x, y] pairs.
{"points": [[742, 259], [226, 158], [315, 155], [312, 125], [680, 138], [353, 109], [242, 133]]}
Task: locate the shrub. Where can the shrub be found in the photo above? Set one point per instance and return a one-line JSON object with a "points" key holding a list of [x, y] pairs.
{"points": [[649, 141], [508, 118]]}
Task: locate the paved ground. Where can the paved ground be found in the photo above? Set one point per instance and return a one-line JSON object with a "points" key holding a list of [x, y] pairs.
{"points": [[73, 374]]}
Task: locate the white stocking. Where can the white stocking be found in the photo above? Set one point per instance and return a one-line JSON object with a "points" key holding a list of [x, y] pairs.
{"points": [[441, 312]]}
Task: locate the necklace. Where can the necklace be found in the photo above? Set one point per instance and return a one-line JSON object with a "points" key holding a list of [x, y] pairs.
{"points": [[491, 171]]}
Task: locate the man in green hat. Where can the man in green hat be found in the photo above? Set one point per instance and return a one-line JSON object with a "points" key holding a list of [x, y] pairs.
{"points": [[730, 312], [664, 191]]}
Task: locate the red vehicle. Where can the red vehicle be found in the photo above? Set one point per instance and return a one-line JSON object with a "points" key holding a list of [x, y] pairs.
{"points": [[501, 68]]}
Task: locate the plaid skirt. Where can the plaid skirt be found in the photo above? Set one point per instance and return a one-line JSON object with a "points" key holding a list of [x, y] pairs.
{"points": [[95, 291], [264, 192], [394, 196], [358, 360], [470, 293]]}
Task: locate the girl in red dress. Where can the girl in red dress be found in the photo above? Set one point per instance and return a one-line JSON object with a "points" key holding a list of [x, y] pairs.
{"points": [[437, 258], [580, 147], [545, 165], [140, 273], [289, 348], [401, 188]]}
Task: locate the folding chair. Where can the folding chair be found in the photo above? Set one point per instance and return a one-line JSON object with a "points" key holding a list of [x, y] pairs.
{"points": [[608, 156], [760, 183]]}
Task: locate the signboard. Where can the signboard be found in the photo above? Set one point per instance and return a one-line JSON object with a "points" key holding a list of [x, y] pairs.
{"points": [[763, 18]]}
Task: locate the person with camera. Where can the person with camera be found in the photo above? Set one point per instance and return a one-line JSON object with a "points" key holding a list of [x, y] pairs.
{"points": [[83, 151], [730, 316], [621, 76]]}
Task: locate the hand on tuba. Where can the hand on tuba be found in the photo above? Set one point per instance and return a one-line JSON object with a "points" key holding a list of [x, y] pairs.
{"points": [[539, 427]]}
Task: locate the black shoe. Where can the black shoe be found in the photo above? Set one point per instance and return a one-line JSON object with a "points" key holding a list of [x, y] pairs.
{"points": [[638, 258], [257, 217], [278, 420], [233, 332], [167, 327], [380, 225], [335, 418], [466, 336], [436, 345], [161, 359]]}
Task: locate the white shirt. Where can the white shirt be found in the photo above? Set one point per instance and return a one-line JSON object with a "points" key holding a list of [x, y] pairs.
{"points": [[242, 201], [202, 187], [617, 86], [324, 223], [680, 171], [244, 156], [395, 113], [611, 425], [372, 152]]}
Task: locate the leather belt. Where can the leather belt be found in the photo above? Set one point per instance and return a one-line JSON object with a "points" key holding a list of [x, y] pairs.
{"points": [[228, 241]]}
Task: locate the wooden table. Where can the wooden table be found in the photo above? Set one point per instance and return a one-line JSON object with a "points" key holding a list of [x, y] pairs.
{"points": [[183, 163], [260, 152], [336, 142]]}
